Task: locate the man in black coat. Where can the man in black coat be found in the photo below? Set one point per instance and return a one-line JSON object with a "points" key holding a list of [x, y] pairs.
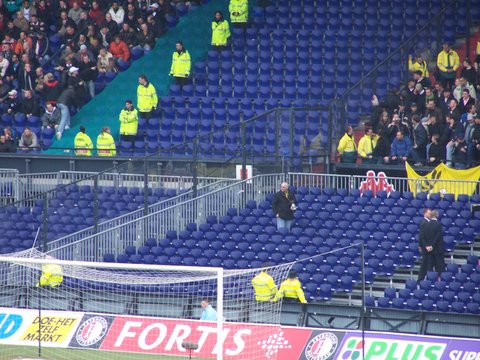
{"points": [[434, 243], [422, 244], [284, 205]]}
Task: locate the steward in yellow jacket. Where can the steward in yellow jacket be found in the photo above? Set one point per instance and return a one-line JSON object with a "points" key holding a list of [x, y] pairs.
{"points": [[347, 147], [238, 11], [82, 143], [181, 64], [264, 286], [366, 145], [106, 143], [52, 275], [220, 31], [419, 64], [146, 96], [448, 62], [128, 121], [291, 289]]}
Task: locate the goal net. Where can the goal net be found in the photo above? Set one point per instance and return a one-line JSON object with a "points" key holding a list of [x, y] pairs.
{"points": [[52, 309]]}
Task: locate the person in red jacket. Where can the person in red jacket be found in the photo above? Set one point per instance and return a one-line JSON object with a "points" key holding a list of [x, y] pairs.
{"points": [[119, 49]]}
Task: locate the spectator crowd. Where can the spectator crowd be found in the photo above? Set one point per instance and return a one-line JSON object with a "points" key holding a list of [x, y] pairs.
{"points": [[431, 120], [53, 51]]}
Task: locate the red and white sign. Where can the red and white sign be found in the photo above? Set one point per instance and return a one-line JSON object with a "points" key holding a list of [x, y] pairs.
{"points": [[376, 183], [165, 336]]}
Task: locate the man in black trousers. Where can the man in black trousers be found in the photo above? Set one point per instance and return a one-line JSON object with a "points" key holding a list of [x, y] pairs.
{"points": [[435, 244], [422, 243]]}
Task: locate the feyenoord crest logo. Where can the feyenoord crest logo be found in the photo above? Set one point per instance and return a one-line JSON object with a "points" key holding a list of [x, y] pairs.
{"points": [[321, 347], [91, 331]]}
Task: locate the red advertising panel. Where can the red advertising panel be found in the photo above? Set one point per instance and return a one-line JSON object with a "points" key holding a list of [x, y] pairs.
{"points": [[165, 336]]}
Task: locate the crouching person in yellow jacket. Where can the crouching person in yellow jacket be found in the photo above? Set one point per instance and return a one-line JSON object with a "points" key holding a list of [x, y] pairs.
{"points": [[83, 144], [52, 275], [106, 143], [291, 289]]}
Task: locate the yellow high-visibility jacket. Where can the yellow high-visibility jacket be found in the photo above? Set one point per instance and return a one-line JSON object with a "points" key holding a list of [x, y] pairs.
{"points": [[346, 144], [264, 287], [146, 98], [128, 122], [220, 33], [291, 288], [106, 145], [239, 7], [51, 275], [83, 145], [414, 66], [443, 58], [365, 145], [181, 64]]}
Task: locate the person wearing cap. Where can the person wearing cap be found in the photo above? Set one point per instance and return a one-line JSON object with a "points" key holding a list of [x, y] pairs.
{"points": [[82, 143], [419, 64], [264, 286], [291, 290], [147, 99], [51, 88], [220, 31], [447, 62], [12, 104], [238, 13], [128, 122], [181, 64], [105, 143]]}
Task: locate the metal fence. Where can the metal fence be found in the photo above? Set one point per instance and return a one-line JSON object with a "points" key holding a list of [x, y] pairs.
{"points": [[209, 207], [134, 215]]}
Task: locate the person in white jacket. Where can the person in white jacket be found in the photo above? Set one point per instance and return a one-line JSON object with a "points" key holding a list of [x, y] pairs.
{"points": [[117, 13]]}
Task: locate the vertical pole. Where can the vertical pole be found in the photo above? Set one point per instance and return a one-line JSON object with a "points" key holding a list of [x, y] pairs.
{"points": [[243, 130], [220, 314], [195, 167], [277, 135], [364, 309], [40, 321], [469, 23], [45, 222], [95, 204], [330, 134], [292, 138], [145, 185]]}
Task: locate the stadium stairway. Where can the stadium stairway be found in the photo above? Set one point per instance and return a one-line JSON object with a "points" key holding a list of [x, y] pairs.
{"points": [[103, 110]]}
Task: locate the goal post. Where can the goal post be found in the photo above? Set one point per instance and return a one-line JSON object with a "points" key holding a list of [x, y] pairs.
{"points": [[131, 311]]}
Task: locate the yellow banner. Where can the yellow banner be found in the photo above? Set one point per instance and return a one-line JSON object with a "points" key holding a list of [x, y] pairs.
{"points": [[444, 180], [53, 329]]}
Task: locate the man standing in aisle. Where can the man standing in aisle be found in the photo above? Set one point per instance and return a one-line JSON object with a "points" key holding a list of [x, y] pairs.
{"points": [[264, 286], [128, 122], [447, 63], [208, 313], [283, 206], [426, 257], [291, 290], [181, 64], [220, 32], [238, 13], [146, 98], [435, 245]]}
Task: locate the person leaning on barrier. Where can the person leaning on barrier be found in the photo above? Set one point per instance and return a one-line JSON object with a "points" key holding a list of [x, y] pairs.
{"points": [[82, 143], [291, 290], [52, 275], [264, 286], [105, 143]]}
